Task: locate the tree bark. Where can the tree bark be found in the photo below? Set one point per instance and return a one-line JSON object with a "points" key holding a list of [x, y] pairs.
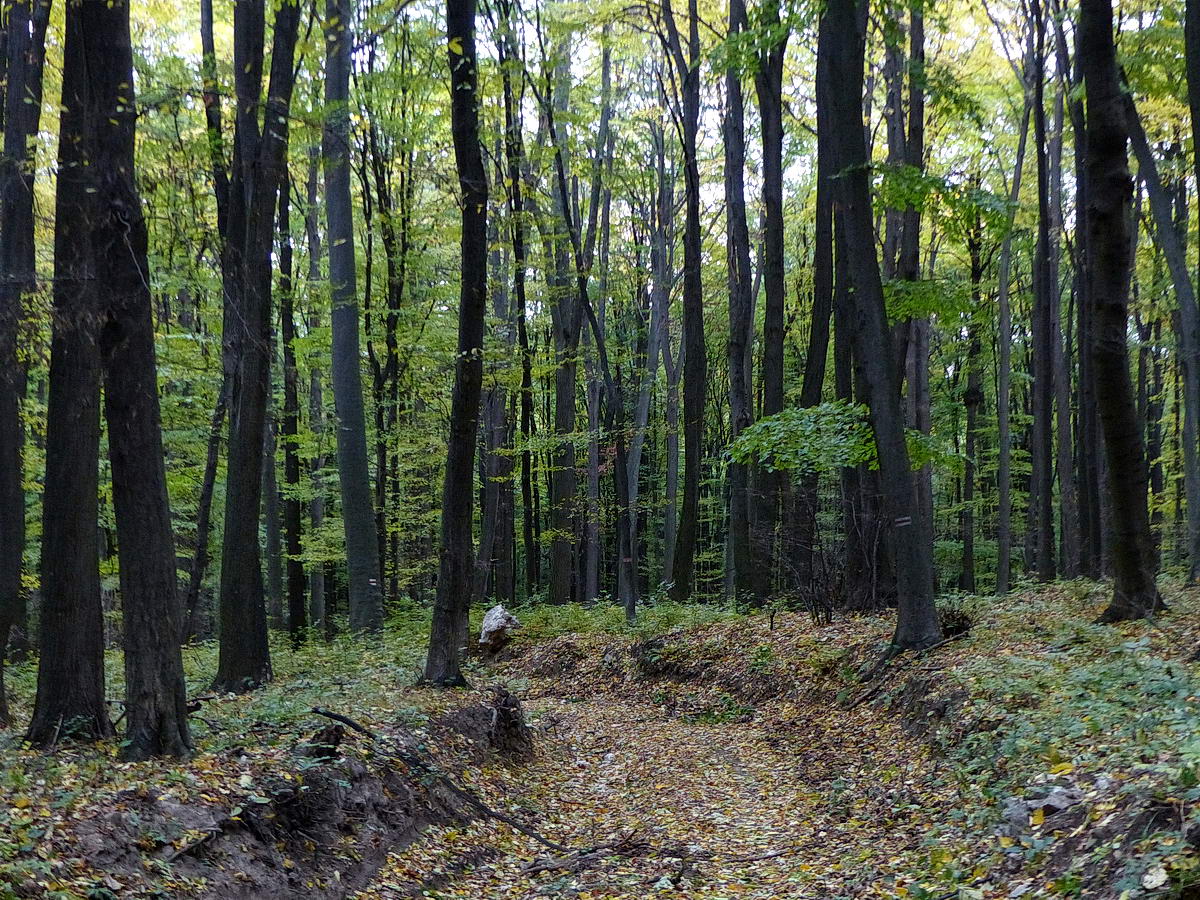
{"points": [[1042, 451], [843, 26], [695, 352], [768, 83], [316, 401], [297, 613], [25, 47], [152, 615], [442, 665], [244, 659], [358, 515], [1004, 378], [1188, 319], [70, 685], [750, 580], [1109, 264]]}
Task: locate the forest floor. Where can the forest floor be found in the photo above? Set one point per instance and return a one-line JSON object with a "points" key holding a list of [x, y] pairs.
{"points": [[703, 754], [1037, 755]]}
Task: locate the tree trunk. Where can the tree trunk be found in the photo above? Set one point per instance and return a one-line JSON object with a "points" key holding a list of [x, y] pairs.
{"points": [[1004, 379], [695, 353], [973, 402], [70, 685], [843, 26], [1109, 264], [1042, 451], [244, 659], [25, 47], [316, 402], [155, 697], [514, 154], [1188, 319], [358, 516], [750, 580], [273, 535], [297, 618], [768, 83], [454, 576]]}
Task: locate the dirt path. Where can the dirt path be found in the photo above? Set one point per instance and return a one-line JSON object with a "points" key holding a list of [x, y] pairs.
{"points": [[728, 809]]}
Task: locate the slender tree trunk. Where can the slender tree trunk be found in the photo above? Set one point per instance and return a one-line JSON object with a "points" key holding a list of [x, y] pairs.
{"points": [[442, 666], [1004, 380], [660, 297], [358, 516], [973, 399], [750, 579], [1068, 494], [297, 617], [674, 369], [1042, 454], [272, 531], [768, 83], [695, 354], [1107, 222], [316, 402], [1190, 343], [1188, 319], [204, 511], [25, 48], [843, 25], [244, 659]]}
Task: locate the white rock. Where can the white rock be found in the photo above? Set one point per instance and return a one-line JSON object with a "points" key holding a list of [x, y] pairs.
{"points": [[498, 624]]}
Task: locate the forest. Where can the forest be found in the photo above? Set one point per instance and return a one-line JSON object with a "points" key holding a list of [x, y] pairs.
{"points": [[521, 448]]}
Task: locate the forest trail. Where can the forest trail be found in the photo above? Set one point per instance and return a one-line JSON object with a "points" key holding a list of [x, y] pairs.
{"points": [[726, 808]]}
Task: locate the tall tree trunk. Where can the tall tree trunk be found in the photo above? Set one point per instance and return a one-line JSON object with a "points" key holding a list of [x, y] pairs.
{"points": [[244, 659], [751, 580], [272, 531], [1190, 345], [316, 402], [674, 370], [1188, 320], [297, 617], [768, 83], [1042, 451], [70, 685], [1004, 379], [1068, 494], [514, 154], [155, 698], [442, 666], [25, 42], [1090, 498], [661, 237], [695, 353], [909, 268], [1109, 263], [973, 402], [843, 25], [358, 517]]}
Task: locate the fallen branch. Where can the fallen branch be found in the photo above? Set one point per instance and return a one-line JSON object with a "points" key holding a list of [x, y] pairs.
{"points": [[578, 860]]}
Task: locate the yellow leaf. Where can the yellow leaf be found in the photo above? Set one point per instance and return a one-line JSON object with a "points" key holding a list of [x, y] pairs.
{"points": [[456, 46], [1065, 768], [21, 802], [1005, 841], [1037, 817]]}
